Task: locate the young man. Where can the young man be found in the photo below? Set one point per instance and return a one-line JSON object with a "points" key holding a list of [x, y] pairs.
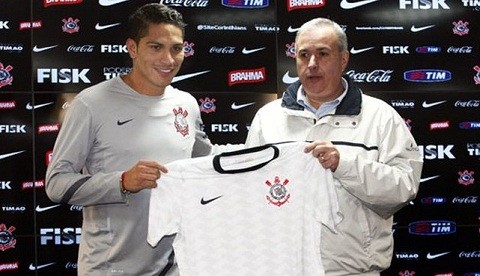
{"points": [[106, 157], [374, 159]]}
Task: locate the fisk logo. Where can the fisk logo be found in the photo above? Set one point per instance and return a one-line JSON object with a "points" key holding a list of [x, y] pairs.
{"points": [[432, 227], [427, 75], [395, 50], [245, 4], [424, 4], [60, 236], [224, 128], [430, 152], [64, 75]]}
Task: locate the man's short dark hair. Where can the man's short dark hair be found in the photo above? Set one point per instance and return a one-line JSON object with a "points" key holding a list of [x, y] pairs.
{"points": [[153, 13]]}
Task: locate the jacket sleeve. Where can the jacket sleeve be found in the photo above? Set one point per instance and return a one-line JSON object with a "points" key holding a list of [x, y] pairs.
{"points": [[67, 181], [387, 184]]}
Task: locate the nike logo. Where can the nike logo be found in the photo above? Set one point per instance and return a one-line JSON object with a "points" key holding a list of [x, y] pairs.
{"points": [[37, 49], [345, 4], [106, 3], [29, 106], [99, 27], [429, 178], [123, 122], [354, 51], [246, 52], [428, 105], [187, 76], [32, 267], [287, 79], [204, 202], [43, 209], [239, 106], [292, 30], [419, 29], [6, 155], [434, 256]]}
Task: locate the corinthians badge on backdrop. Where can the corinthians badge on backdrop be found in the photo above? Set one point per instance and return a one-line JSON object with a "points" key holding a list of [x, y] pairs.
{"points": [[278, 194]]}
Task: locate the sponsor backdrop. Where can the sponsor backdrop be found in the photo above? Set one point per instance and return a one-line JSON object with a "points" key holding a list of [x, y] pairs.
{"points": [[420, 56]]}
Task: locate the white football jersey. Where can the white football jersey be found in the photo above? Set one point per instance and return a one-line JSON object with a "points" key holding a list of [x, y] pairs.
{"points": [[256, 211]]}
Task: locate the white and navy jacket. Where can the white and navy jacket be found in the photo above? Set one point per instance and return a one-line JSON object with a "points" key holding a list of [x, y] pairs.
{"points": [[378, 173]]}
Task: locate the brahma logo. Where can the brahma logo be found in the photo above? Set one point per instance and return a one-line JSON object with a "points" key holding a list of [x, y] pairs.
{"points": [[48, 3], [246, 76], [439, 125], [8, 105], [48, 128], [30, 25], [246, 4], [312, 4], [432, 227], [427, 75]]}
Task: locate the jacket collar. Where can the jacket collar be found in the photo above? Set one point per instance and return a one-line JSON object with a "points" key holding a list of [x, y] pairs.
{"points": [[350, 105]]}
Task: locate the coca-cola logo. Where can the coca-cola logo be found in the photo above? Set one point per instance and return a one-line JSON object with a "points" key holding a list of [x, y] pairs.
{"points": [[71, 265], [465, 200], [460, 50], [185, 3], [469, 255], [222, 50], [80, 49], [378, 75], [470, 103]]}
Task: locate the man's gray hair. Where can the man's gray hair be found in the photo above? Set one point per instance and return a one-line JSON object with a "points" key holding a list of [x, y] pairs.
{"points": [[322, 23]]}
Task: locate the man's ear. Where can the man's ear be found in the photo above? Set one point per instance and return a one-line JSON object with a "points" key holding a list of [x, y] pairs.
{"points": [[131, 47]]}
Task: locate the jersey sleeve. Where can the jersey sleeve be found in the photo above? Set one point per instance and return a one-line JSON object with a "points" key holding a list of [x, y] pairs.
{"points": [[163, 215]]}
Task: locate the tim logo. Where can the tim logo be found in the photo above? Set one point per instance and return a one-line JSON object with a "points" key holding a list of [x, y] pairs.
{"points": [[245, 4], [427, 75], [432, 227]]}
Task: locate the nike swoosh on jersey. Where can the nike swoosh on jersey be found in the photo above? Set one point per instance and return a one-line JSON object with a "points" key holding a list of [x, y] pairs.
{"points": [[6, 155], [37, 49], [99, 27], [43, 209], [120, 123], [187, 76], [292, 30], [32, 267], [345, 4], [419, 29], [106, 3], [434, 256], [428, 105], [206, 201], [429, 178], [29, 106], [287, 79], [245, 51], [358, 51], [240, 106]]}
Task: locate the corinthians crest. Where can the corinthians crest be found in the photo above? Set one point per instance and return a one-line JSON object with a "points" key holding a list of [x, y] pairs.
{"points": [[181, 123], [278, 194]]}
